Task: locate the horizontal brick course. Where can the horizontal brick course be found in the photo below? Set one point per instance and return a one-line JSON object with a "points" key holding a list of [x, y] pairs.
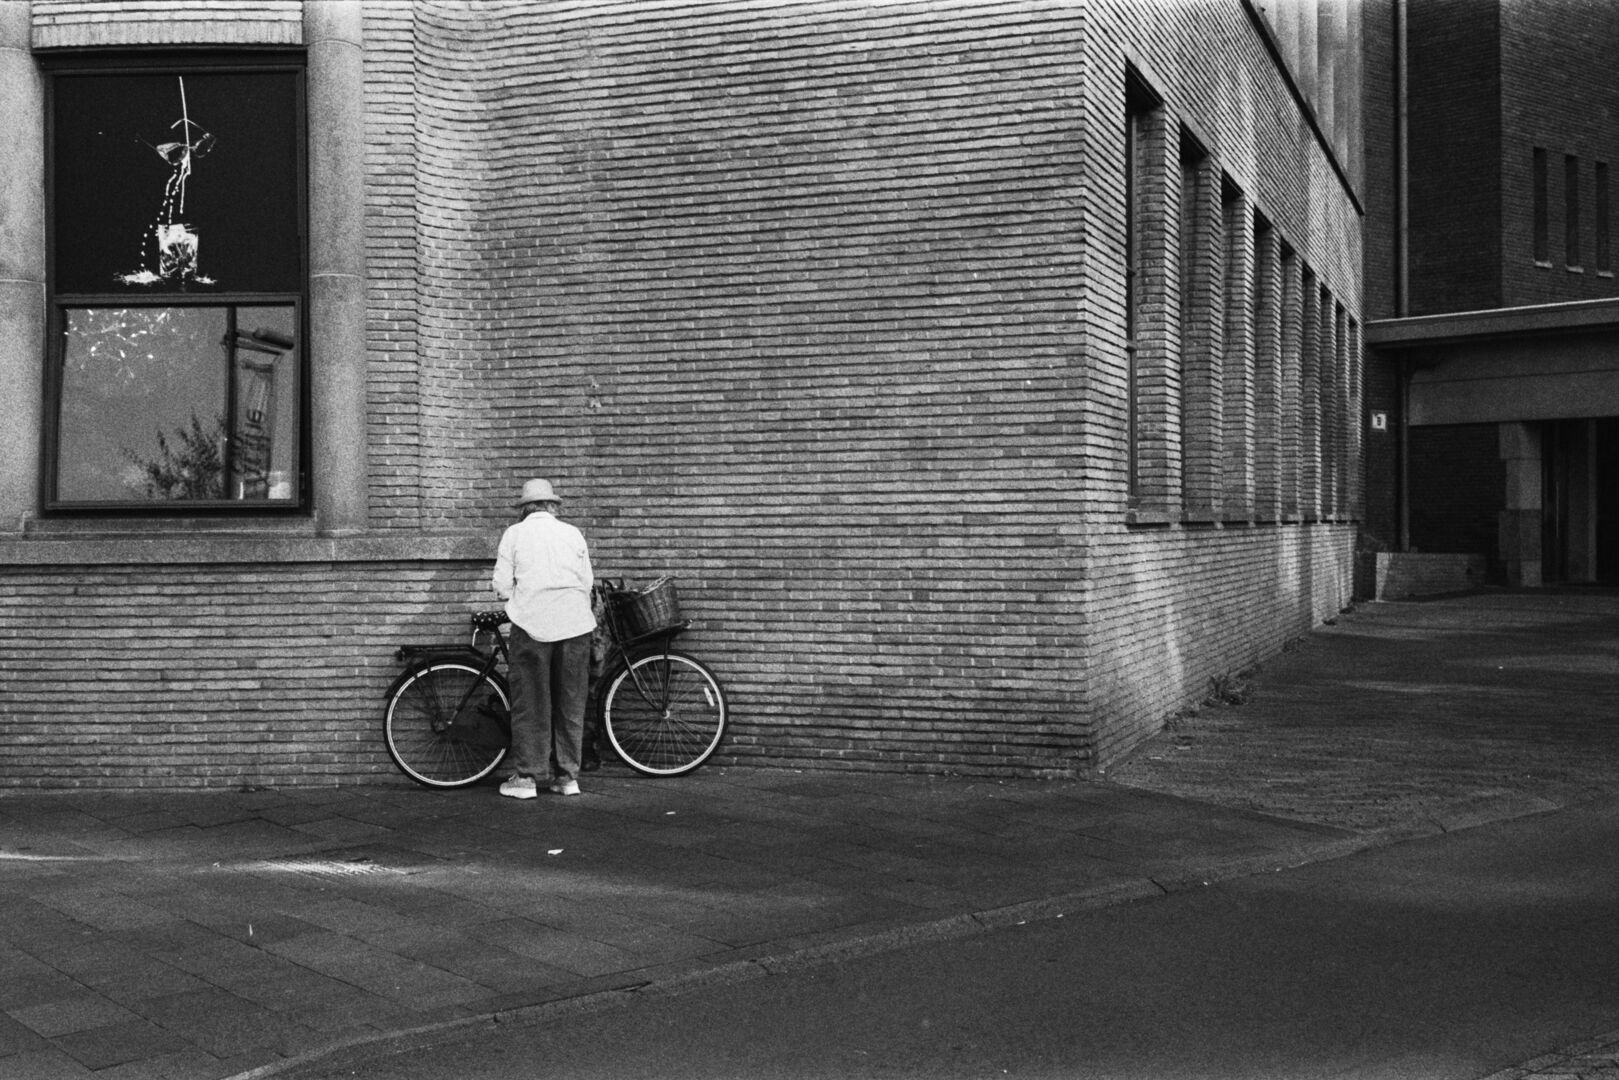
{"points": [[815, 307], [124, 23]]}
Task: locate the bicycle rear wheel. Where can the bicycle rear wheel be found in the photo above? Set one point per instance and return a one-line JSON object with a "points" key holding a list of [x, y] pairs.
{"points": [[664, 713], [422, 727]]}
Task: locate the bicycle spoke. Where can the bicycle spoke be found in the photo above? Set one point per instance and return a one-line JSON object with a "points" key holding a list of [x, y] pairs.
{"points": [[420, 728], [665, 715]]}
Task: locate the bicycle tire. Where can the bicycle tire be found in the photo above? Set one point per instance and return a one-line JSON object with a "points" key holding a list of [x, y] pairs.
{"points": [[420, 706], [673, 734]]}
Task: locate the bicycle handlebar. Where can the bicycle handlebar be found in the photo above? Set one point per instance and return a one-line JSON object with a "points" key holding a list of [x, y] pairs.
{"points": [[606, 588]]}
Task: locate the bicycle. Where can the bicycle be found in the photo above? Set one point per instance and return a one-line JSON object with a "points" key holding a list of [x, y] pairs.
{"points": [[447, 723]]}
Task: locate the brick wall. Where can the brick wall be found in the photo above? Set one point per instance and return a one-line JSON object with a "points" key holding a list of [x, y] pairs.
{"points": [[122, 23], [817, 308], [1483, 99], [402, 424], [1381, 524], [1454, 154], [1175, 600], [211, 675], [1378, 193], [1491, 83], [1167, 615], [783, 295], [1575, 115], [1381, 475]]}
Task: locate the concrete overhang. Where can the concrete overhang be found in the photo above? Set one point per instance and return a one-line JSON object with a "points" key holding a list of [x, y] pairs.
{"points": [[1455, 328], [1508, 365]]}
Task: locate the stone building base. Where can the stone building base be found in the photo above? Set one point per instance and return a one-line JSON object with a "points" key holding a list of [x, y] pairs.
{"points": [[1399, 575]]}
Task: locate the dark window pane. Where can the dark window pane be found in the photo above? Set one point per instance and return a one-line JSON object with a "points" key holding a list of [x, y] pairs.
{"points": [[1571, 209], [163, 404], [176, 182], [1603, 260], [1542, 227]]}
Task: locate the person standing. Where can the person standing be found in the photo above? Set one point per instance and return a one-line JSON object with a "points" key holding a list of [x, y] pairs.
{"points": [[542, 571]]}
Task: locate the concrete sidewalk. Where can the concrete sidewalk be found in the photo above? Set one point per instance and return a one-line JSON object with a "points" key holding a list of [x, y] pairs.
{"points": [[254, 933]]}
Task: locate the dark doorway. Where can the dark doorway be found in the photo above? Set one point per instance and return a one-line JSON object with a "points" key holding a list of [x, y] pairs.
{"points": [[1606, 508], [1561, 464], [1580, 501]]}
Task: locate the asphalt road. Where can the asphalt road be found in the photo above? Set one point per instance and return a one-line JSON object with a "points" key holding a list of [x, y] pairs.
{"points": [[1452, 957]]}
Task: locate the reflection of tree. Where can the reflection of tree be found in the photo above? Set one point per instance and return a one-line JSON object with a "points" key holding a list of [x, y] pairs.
{"points": [[191, 467]]}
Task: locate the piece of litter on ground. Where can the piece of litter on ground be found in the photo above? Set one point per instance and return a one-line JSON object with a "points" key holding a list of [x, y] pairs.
{"points": [[554, 851], [668, 813]]}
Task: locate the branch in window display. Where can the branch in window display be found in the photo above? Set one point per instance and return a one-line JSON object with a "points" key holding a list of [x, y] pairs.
{"points": [[170, 244], [191, 467]]}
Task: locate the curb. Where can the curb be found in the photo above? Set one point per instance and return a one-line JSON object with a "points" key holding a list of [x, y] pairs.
{"points": [[1565, 1064], [805, 952], [788, 955]]}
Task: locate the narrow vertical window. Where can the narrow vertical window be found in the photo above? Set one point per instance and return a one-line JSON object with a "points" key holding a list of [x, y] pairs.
{"points": [[1355, 381], [1542, 240], [1290, 381], [1192, 156], [1132, 285], [1341, 394], [1199, 310], [1201, 328], [1139, 103], [1267, 368], [1599, 208], [1235, 439], [1571, 210], [1327, 405], [1310, 399]]}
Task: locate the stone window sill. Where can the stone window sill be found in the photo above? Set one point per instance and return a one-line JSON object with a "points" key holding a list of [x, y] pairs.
{"points": [[182, 545]]}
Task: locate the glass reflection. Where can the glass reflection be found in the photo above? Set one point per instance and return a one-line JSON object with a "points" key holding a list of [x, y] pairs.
{"points": [[167, 404]]}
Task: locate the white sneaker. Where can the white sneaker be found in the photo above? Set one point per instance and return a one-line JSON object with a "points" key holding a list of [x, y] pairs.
{"points": [[565, 787], [520, 787]]}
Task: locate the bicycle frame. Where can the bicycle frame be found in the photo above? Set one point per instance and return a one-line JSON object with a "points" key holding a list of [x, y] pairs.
{"points": [[657, 709], [423, 656], [627, 650], [623, 651]]}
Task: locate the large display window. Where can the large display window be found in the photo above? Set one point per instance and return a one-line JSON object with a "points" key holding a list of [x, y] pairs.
{"points": [[178, 375]]}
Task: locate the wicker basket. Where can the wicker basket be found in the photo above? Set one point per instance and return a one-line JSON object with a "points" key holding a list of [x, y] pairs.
{"points": [[649, 610]]}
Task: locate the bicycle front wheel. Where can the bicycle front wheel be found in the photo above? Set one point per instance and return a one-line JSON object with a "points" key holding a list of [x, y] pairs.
{"points": [[430, 714], [664, 713]]}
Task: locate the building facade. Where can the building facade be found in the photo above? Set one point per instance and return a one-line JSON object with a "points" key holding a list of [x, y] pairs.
{"points": [[1490, 286], [988, 374]]}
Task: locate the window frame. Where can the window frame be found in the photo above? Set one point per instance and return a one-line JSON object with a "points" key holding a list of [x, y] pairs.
{"points": [[1601, 255], [270, 61], [1140, 100], [1132, 298], [1571, 214], [1540, 199]]}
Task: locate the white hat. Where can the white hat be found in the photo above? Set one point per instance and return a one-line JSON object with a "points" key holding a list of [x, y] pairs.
{"points": [[537, 491]]}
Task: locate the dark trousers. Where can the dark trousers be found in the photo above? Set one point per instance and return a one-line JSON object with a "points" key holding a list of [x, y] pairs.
{"points": [[550, 681]]}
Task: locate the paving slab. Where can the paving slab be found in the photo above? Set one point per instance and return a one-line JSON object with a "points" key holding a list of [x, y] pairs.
{"points": [[238, 934], [214, 938]]}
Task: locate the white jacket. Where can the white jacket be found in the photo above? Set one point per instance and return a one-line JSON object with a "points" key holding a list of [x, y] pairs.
{"points": [[542, 571]]}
